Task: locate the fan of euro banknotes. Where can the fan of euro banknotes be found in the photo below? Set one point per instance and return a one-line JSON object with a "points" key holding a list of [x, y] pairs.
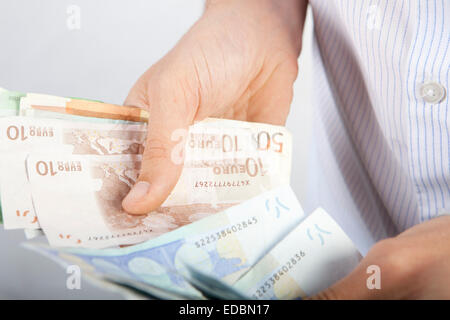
{"points": [[232, 228]]}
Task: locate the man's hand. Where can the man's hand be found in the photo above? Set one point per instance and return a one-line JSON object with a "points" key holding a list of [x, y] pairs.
{"points": [[413, 265], [239, 61]]}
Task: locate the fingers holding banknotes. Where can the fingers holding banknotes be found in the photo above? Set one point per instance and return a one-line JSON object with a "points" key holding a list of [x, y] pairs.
{"points": [[413, 265], [228, 65]]}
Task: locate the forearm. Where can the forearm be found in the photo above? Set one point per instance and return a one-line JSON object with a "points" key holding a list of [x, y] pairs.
{"points": [[287, 15]]}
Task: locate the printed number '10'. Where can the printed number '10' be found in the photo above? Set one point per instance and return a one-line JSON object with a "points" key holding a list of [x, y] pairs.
{"points": [[43, 168]]}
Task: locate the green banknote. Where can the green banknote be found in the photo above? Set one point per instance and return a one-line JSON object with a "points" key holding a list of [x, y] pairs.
{"points": [[9, 102]]}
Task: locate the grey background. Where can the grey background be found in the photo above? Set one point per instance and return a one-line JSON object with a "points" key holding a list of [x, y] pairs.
{"points": [[117, 42]]}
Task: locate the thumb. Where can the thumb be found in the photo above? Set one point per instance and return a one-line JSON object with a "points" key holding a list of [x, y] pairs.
{"points": [[162, 160]]}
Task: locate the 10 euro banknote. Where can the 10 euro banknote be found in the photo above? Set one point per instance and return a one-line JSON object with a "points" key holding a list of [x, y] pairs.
{"points": [[225, 162], [9, 106], [20, 136], [257, 155], [78, 199]]}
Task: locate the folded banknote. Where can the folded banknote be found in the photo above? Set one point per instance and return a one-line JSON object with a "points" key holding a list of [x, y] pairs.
{"points": [[244, 156], [77, 199], [313, 256], [231, 229], [21, 136], [225, 245], [9, 106]]}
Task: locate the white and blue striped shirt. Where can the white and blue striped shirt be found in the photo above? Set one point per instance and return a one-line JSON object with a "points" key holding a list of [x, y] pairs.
{"points": [[382, 127]]}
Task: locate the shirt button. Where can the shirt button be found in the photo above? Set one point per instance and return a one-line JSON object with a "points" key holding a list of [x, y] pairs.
{"points": [[432, 92]]}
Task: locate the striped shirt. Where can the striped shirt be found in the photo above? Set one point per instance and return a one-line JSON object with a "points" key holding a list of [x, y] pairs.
{"points": [[382, 118]]}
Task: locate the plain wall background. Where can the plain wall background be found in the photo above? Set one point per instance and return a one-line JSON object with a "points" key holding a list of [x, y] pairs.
{"points": [[117, 42]]}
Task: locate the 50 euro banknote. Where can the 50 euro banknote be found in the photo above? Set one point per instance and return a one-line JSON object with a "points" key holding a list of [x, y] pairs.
{"points": [[224, 245], [78, 198], [20, 136]]}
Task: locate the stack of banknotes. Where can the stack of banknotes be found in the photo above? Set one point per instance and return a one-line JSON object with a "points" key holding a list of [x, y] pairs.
{"points": [[232, 228]]}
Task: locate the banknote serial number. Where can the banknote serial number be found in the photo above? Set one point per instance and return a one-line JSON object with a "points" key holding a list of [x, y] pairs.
{"points": [[45, 168], [221, 184], [21, 133], [284, 269], [237, 227]]}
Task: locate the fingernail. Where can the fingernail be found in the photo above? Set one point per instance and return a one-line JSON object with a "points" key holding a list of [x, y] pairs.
{"points": [[137, 193]]}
